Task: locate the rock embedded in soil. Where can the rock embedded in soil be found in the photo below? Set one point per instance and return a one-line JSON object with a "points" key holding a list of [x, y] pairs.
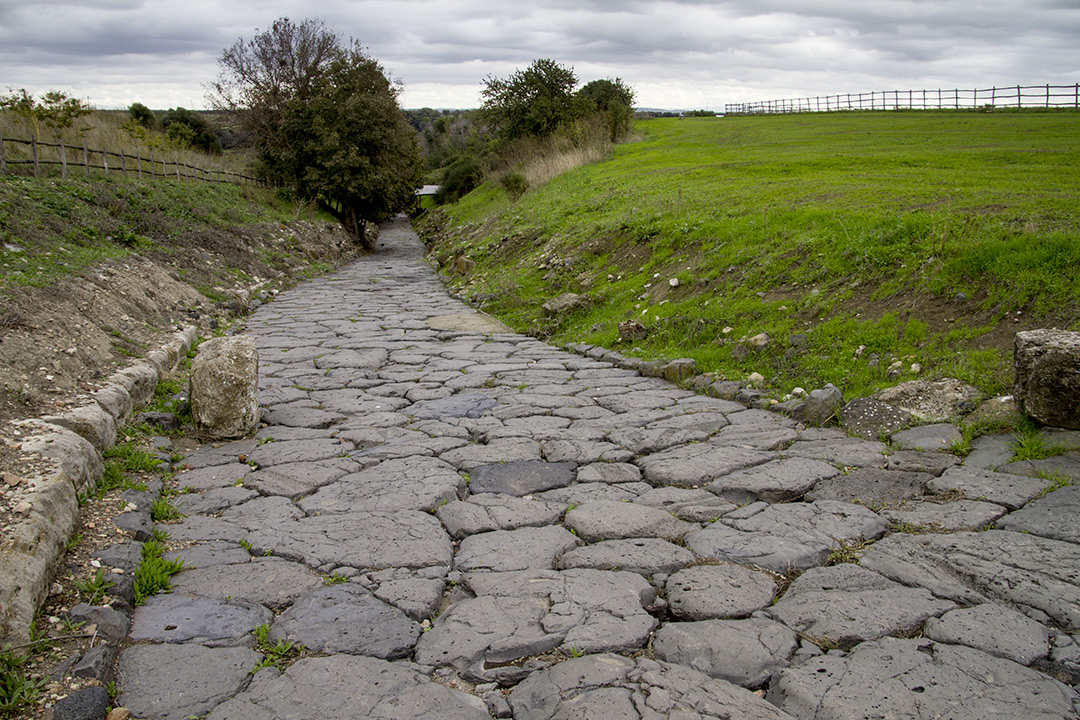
{"points": [[1047, 376]]}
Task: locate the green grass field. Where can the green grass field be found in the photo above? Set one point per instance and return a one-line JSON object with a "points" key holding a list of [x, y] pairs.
{"points": [[927, 237]]}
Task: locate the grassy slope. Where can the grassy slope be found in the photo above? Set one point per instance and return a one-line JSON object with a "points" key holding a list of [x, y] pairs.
{"points": [[919, 235], [51, 228]]}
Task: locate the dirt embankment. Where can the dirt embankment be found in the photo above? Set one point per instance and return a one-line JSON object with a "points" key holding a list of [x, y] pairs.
{"points": [[58, 343]]}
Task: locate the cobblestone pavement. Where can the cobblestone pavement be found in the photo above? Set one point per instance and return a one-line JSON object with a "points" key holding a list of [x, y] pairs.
{"points": [[464, 524]]}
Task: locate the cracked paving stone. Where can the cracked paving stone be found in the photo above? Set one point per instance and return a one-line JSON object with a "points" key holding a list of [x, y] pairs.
{"points": [[608, 520], [521, 549], [516, 615], [341, 687], [744, 652], [918, 679], [175, 682], [847, 604], [346, 618], [612, 687], [213, 622]]}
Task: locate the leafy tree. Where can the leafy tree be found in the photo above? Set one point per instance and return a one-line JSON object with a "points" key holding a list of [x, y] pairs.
{"points": [[326, 119], [56, 109], [188, 128], [534, 101], [142, 115], [354, 151], [614, 100], [261, 76]]}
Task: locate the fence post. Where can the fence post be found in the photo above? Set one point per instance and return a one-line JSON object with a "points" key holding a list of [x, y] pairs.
{"points": [[33, 152], [138, 161], [123, 162], [1047, 95], [164, 168], [63, 159], [86, 159], [105, 162], [3, 161]]}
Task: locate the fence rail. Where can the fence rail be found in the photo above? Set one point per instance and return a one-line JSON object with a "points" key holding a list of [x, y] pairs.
{"points": [[1014, 96], [89, 159]]}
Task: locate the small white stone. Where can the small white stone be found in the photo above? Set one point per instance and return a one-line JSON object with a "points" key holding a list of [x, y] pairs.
{"points": [[673, 282], [755, 377], [798, 392]]}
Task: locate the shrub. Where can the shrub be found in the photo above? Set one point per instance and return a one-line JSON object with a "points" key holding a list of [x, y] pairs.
{"points": [[514, 183], [460, 179], [142, 115]]}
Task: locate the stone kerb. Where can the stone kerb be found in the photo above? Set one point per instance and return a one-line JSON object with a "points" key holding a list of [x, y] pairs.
{"points": [[72, 444]]}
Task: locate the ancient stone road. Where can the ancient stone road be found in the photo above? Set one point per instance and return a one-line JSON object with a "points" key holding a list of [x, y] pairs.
{"points": [[464, 524]]}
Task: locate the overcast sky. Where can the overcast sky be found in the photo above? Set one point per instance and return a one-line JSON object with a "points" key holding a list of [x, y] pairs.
{"points": [[678, 54]]}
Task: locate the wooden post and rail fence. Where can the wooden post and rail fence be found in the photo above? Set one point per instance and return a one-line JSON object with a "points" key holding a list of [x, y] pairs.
{"points": [[1014, 96], [73, 159]]}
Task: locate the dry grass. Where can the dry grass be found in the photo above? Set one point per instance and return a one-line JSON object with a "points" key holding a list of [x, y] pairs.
{"points": [[541, 159], [107, 131]]}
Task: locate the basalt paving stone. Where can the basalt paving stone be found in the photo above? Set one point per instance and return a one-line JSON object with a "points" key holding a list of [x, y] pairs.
{"points": [[582, 493], [582, 452], [521, 478], [787, 537], [209, 456], [213, 622], [1066, 465], [1008, 490], [270, 581], [346, 618], [489, 511], [608, 473], [744, 652], [871, 486], [460, 405], [176, 682], [414, 483], [706, 592], [212, 501], [208, 554], [507, 450], [293, 480], [612, 687], [934, 463], [608, 520], [939, 436], [943, 516], [847, 604], [757, 437], [775, 481], [644, 556], [506, 550], [1039, 575], [698, 506], [918, 679], [697, 465], [217, 476], [520, 614], [340, 687], [304, 417], [654, 439], [293, 451], [990, 452], [995, 629], [360, 539], [840, 451], [1056, 515]]}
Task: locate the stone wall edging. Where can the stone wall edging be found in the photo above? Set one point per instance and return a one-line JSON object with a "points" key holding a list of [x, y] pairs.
{"points": [[73, 442]]}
